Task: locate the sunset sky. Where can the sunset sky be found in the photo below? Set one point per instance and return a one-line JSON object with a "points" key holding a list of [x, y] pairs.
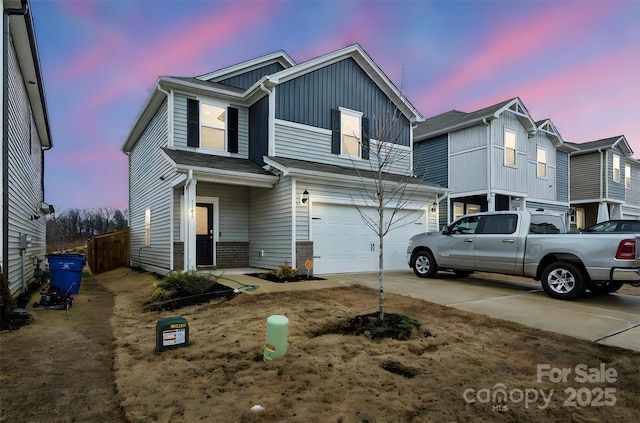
{"points": [[576, 62]]}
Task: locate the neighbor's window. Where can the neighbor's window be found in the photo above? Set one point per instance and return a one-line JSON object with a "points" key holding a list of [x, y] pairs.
{"points": [[542, 163], [147, 227], [616, 168], [509, 148], [458, 210], [351, 128], [212, 126], [473, 208], [580, 218], [627, 176]]}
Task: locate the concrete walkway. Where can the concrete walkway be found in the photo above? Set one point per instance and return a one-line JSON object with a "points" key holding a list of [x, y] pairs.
{"points": [[607, 319]]}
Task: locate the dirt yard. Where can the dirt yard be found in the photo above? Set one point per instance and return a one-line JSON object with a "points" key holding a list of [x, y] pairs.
{"points": [[96, 362]]}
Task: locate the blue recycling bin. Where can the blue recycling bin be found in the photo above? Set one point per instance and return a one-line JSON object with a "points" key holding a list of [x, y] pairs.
{"points": [[65, 271]]}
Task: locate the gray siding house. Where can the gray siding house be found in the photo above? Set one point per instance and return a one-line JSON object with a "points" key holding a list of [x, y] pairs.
{"points": [[269, 162], [605, 181], [25, 137], [496, 158]]}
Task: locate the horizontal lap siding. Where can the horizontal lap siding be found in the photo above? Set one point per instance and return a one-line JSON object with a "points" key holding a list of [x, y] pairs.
{"points": [[314, 144], [562, 176], [431, 158], [25, 181], [270, 225], [585, 177], [146, 190], [180, 126], [233, 209], [341, 84]]}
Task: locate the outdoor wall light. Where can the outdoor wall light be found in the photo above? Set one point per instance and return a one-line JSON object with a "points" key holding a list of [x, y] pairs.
{"points": [[434, 207], [305, 197]]}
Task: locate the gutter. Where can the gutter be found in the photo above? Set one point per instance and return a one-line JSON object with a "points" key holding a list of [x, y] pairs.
{"points": [[5, 130]]}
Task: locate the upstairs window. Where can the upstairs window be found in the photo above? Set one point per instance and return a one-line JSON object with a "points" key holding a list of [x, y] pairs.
{"points": [[212, 126], [542, 163], [627, 176], [349, 133], [509, 148], [616, 168]]}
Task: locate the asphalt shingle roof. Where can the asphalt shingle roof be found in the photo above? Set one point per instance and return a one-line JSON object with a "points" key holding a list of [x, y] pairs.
{"points": [[209, 161]]}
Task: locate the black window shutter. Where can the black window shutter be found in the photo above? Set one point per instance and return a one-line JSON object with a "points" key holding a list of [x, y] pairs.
{"points": [[232, 127], [193, 123], [335, 131], [365, 139]]}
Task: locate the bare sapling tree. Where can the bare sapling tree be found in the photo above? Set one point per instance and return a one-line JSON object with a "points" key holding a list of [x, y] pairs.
{"points": [[388, 185]]}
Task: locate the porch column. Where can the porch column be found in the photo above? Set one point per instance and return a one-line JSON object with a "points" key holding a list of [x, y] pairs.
{"points": [[603, 212], [190, 223]]}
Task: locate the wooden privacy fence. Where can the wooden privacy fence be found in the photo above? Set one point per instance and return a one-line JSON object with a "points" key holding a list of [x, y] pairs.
{"points": [[108, 251]]}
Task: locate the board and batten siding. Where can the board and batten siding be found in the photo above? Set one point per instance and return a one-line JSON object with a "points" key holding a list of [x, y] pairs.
{"points": [[270, 226], [147, 164], [468, 159], [303, 142], [431, 160], [510, 178], [632, 197], [341, 84], [585, 177], [180, 126], [259, 130], [541, 188], [247, 79], [25, 169]]}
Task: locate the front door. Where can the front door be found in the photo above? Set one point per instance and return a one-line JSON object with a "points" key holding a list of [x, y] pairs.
{"points": [[204, 234]]}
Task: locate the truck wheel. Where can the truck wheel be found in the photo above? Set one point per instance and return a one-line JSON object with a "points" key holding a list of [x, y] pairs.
{"points": [[424, 265], [605, 287], [563, 281]]}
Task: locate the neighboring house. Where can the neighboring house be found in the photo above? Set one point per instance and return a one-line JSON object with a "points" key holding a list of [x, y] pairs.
{"points": [[262, 164], [496, 158], [25, 137], [605, 181]]}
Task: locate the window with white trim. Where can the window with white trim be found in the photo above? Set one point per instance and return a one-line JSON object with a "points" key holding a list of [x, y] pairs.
{"points": [[616, 168], [542, 163], [212, 126], [147, 227], [351, 132], [458, 210], [627, 176], [579, 217], [509, 148]]}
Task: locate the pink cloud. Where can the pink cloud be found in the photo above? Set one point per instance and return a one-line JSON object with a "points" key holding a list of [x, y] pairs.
{"points": [[527, 39]]}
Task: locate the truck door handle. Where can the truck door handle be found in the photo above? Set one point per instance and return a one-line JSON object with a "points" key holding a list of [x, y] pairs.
{"points": [[510, 241], [468, 240]]}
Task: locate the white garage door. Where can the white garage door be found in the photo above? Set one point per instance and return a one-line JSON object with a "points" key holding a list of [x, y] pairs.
{"points": [[343, 243]]}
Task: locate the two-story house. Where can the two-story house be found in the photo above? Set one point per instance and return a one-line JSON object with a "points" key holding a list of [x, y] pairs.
{"points": [[605, 181], [25, 137], [495, 158], [270, 162]]}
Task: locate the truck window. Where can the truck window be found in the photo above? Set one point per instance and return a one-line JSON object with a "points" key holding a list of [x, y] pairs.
{"points": [[466, 225], [498, 224], [546, 224]]}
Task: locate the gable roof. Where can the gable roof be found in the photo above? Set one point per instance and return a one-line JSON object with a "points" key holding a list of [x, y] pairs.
{"points": [[24, 41], [619, 141], [279, 57], [456, 120]]}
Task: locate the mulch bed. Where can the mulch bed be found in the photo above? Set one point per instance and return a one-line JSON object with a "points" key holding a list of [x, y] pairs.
{"points": [[271, 277]]}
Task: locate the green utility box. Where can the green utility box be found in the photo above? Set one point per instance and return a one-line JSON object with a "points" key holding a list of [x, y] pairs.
{"points": [[171, 332]]}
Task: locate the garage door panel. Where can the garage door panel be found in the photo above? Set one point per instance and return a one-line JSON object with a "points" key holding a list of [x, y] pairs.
{"points": [[343, 243]]}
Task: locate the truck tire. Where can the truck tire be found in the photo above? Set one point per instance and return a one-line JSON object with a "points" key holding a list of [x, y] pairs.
{"points": [[605, 287], [563, 281], [424, 265]]}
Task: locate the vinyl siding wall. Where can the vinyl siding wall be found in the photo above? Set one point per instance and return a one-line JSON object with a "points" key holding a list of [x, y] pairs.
{"points": [[26, 169], [146, 164], [431, 158], [270, 225], [247, 79], [562, 176], [342, 84], [468, 159], [585, 177], [510, 178], [541, 188], [180, 127], [615, 190], [313, 144]]}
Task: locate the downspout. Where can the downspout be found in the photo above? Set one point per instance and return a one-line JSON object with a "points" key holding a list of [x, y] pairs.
{"points": [[602, 164], [271, 122], [490, 205], [5, 130]]}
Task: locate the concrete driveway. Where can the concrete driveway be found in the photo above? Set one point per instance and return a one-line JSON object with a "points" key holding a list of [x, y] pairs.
{"points": [[607, 319]]}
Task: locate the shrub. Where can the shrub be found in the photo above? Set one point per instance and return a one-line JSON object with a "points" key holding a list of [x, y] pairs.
{"points": [[286, 272], [184, 284]]}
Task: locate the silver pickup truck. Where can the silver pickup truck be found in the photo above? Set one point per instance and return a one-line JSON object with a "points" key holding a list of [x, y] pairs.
{"points": [[532, 244]]}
